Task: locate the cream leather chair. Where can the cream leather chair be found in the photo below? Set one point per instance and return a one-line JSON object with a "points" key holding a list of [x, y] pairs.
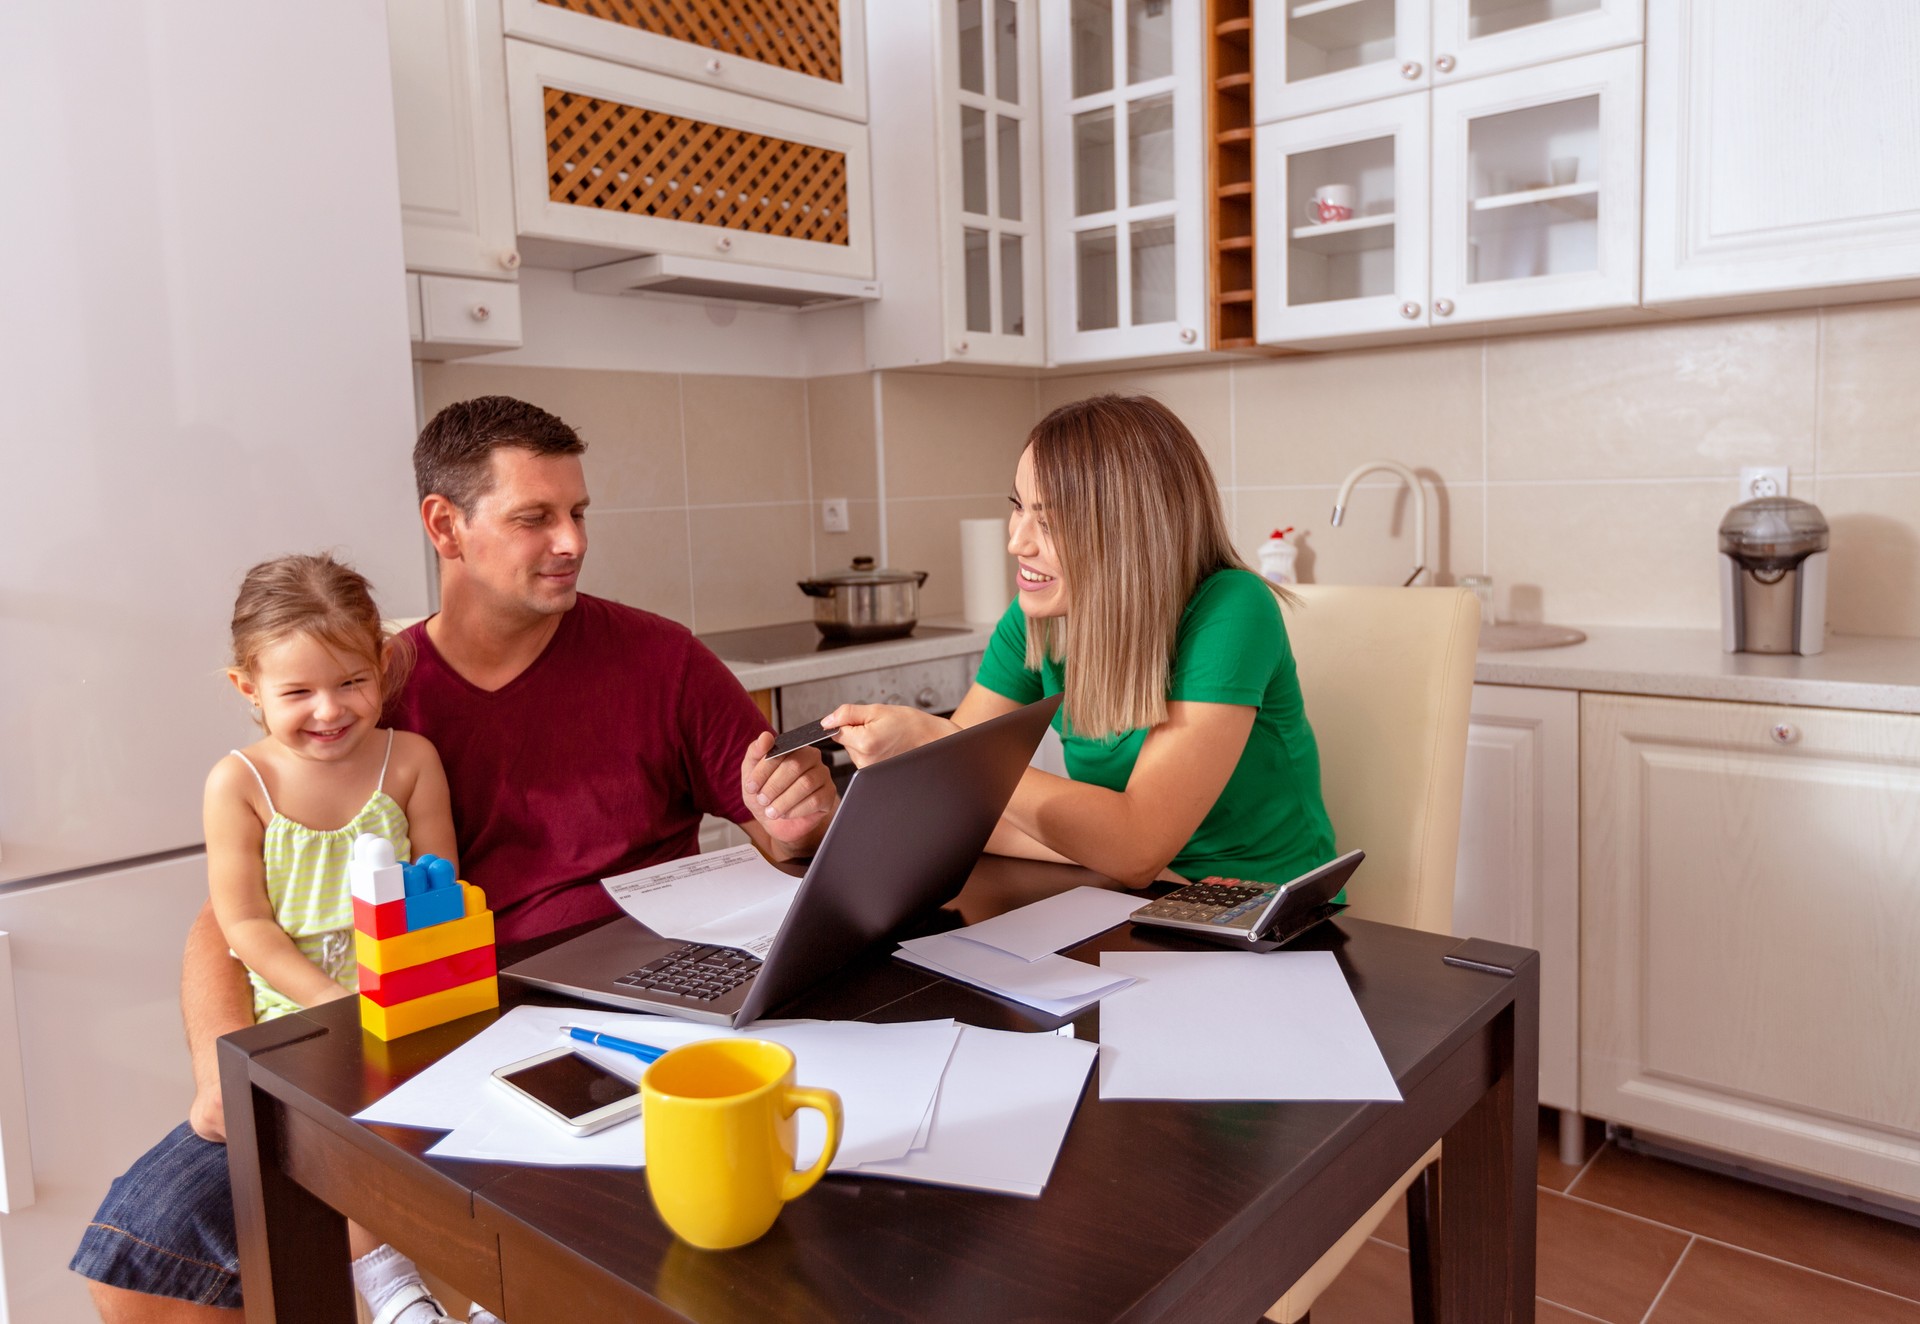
{"points": [[1387, 674]]}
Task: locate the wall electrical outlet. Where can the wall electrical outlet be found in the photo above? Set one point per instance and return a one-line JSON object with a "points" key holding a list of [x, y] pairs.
{"points": [[833, 513], [1762, 480]]}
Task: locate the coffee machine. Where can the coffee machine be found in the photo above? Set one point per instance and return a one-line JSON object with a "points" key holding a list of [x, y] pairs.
{"points": [[1773, 577]]}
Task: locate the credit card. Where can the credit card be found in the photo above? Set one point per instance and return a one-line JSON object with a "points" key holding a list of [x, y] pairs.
{"points": [[799, 738]]}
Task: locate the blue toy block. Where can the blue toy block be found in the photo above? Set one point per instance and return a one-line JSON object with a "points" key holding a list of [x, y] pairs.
{"points": [[438, 905], [426, 873]]}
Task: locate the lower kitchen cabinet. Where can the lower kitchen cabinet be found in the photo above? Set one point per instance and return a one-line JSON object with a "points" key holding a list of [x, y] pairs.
{"points": [[1518, 877], [1750, 911]]}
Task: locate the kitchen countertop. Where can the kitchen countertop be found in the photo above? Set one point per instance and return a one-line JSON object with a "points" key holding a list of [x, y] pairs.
{"points": [[1856, 671], [866, 657]]}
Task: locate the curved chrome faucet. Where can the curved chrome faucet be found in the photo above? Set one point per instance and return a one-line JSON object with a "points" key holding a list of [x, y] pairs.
{"points": [[1412, 480]]}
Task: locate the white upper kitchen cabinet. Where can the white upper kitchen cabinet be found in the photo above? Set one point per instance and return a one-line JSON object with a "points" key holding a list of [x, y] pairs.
{"points": [[450, 122], [806, 53], [1506, 198], [1536, 190], [1783, 151], [1360, 275], [1313, 55], [1125, 178], [957, 228], [610, 161]]}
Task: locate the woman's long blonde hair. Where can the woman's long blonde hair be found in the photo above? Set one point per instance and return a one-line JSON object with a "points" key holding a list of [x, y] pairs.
{"points": [[1135, 520]]}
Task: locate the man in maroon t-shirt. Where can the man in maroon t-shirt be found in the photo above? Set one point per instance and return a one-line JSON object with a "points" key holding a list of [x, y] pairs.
{"points": [[581, 738]]}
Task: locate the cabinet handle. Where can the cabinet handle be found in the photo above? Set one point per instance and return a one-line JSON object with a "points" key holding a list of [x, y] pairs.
{"points": [[1188, 335], [1410, 70], [926, 698], [724, 243], [1443, 63], [1444, 307], [1409, 310], [510, 259], [960, 347], [713, 66], [480, 312], [1784, 733]]}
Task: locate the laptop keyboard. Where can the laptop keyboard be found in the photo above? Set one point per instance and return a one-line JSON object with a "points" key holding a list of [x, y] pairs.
{"points": [[695, 971]]}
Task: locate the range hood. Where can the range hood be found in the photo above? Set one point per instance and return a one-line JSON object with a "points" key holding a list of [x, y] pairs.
{"points": [[703, 278]]}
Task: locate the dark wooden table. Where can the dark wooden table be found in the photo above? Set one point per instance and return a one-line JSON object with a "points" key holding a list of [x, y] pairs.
{"points": [[1155, 1211]]}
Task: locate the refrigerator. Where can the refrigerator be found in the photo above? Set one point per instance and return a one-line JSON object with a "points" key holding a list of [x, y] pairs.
{"points": [[204, 363]]}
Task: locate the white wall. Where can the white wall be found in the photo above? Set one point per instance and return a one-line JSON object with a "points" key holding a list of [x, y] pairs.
{"points": [[203, 327]]}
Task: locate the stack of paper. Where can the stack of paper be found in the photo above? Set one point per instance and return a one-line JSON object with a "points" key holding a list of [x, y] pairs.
{"points": [[926, 1101], [1013, 954]]}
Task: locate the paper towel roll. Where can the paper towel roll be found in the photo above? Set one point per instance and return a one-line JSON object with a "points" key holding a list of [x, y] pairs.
{"points": [[986, 571]]}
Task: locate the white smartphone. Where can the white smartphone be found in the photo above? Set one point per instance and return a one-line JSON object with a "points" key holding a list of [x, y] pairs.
{"points": [[572, 1091]]}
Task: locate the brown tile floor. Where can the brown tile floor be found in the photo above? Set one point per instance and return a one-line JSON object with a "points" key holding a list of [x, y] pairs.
{"points": [[1628, 1239]]}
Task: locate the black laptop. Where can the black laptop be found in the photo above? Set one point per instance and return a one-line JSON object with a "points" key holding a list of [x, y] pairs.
{"points": [[906, 836]]}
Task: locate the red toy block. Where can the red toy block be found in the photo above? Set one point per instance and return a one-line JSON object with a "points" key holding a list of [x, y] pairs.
{"points": [[381, 921], [417, 981]]}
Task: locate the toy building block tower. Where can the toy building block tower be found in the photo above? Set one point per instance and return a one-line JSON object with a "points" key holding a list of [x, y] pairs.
{"points": [[424, 941]]}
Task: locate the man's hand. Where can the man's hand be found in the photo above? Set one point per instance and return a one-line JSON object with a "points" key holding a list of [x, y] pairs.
{"points": [[871, 732], [791, 798]]}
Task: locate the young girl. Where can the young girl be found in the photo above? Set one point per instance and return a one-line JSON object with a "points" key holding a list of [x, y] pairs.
{"points": [[1185, 736], [281, 815]]}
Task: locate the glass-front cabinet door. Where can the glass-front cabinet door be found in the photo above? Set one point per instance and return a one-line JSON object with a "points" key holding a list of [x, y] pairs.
{"points": [[1313, 55], [1341, 222], [1126, 245], [993, 276], [1476, 37], [1536, 190]]}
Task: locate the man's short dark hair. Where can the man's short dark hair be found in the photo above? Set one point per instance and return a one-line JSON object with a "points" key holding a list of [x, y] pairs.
{"points": [[454, 456]]}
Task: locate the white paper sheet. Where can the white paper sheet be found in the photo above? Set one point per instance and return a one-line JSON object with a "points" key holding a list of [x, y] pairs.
{"points": [[886, 1075], [1003, 1111], [1237, 1025], [730, 898], [1058, 921], [1054, 984]]}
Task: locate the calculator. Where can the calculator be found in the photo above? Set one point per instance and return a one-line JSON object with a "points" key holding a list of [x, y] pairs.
{"points": [[1249, 914]]}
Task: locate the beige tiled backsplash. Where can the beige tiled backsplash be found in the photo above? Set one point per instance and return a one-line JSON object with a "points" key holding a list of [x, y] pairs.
{"points": [[1585, 471]]}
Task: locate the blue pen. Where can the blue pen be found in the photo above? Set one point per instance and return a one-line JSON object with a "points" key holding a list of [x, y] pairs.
{"points": [[645, 1052]]}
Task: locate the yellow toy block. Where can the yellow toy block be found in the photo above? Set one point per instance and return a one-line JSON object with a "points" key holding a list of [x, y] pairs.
{"points": [[434, 1009], [430, 944]]}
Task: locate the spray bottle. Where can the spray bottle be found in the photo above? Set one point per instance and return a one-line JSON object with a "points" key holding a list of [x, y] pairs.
{"points": [[1277, 557]]}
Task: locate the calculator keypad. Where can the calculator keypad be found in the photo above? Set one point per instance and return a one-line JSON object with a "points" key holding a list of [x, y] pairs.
{"points": [[1218, 902]]}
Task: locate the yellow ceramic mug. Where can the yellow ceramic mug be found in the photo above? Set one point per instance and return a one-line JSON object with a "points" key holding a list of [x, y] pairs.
{"points": [[720, 1138]]}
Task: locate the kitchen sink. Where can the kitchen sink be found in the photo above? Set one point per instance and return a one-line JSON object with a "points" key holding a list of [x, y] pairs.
{"points": [[1514, 636]]}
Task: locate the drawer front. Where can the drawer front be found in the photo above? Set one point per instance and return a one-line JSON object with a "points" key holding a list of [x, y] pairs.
{"points": [[641, 163], [936, 686], [484, 313], [807, 53]]}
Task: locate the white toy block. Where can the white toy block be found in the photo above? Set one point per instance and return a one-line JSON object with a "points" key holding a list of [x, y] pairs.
{"points": [[372, 873]]}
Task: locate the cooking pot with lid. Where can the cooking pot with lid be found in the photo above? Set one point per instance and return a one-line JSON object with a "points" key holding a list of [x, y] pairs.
{"points": [[864, 603]]}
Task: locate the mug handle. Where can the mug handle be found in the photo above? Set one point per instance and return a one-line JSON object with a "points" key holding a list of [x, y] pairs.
{"points": [[793, 1185]]}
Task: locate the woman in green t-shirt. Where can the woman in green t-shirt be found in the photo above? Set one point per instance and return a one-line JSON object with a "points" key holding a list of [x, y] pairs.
{"points": [[1186, 740]]}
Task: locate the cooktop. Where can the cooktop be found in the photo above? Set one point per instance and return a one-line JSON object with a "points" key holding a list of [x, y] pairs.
{"points": [[778, 643]]}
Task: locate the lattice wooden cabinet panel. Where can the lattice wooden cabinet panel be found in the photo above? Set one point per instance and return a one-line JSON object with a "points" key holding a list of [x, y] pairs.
{"points": [[801, 35], [631, 161], [807, 53], [647, 162]]}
